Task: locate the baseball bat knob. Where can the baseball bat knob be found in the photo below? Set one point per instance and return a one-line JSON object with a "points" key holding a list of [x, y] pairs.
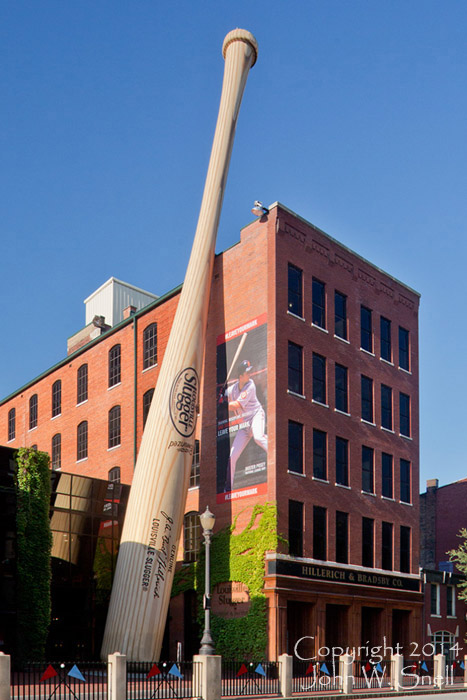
{"points": [[241, 35]]}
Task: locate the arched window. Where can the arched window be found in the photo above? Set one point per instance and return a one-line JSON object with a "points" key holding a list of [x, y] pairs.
{"points": [[115, 375], [150, 346], [82, 440], [33, 405], [114, 475], [12, 424], [56, 398], [57, 451], [82, 384], [114, 426], [191, 536], [147, 398]]}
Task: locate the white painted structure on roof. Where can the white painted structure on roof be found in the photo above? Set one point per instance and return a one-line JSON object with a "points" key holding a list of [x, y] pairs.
{"points": [[112, 298]]}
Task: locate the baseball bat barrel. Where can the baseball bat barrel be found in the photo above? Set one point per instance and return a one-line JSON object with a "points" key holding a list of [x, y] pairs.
{"points": [[154, 517]]}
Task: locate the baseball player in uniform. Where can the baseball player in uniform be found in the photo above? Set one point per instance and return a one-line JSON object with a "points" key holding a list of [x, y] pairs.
{"points": [[242, 402]]}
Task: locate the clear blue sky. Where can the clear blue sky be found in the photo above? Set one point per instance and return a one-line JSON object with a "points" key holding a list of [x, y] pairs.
{"points": [[354, 117]]}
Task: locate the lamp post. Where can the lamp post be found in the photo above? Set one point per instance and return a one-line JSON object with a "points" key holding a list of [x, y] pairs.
{"points": [[207, 523]]}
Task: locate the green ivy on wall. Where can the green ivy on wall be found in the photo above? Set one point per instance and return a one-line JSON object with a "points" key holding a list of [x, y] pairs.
{"points": [[237, 557], [34, 544]]}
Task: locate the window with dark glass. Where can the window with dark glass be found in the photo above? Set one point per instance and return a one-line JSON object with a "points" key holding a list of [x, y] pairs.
{"points": [[295, 375], [33, 411], [405, 481], [296, 528], [340, 315], [82, 440], [57, 451], [434, 599], [387, 475], [194, 474], [342, 537], [12, 424], [368, 542], [385, 332], [319, 378], [295, 447], [56, 398], [115, 376], [147, 398], [341, 388], [191, 536], [114, 475], [114, 426], [405, 549], [319, 454], [387, 546], [82, 384], [450, 601], [404, 359], [319, 304], [404, 414], [367, 399], [366, 331], [342, 461], [319, 533], [368, 478], [386, 407], [295, 293], [150, 346]]}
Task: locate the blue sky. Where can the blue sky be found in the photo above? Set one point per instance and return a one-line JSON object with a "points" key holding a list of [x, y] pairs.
{"points": [[354, 117]]}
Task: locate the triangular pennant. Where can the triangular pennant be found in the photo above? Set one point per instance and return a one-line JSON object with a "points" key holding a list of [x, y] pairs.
{"points": [[454, 664], [462, 665], [259, 669], [368, 666], [424, 667], [49, 672], [175, 671], [324, 669], [76, 673], [243, 669], [378, 668], [309, 670], [153, 672]]}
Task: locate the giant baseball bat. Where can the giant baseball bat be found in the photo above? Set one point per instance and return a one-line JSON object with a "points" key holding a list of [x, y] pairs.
{"points": [[154, 517]]}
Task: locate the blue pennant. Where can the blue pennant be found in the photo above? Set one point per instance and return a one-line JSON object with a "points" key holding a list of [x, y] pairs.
{"points": [[175, 671], [324, 669], [76, 673], [462, 665], [378, 668], [259, 669], [424, 667]]}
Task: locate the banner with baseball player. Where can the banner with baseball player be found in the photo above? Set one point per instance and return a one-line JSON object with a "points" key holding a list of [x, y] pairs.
{"points": [[242, 441]]}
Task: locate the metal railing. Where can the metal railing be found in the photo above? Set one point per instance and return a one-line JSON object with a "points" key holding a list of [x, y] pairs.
{"points": [[166, 679], [250, 678], [320, 676], [368, 674], [86, 680]]}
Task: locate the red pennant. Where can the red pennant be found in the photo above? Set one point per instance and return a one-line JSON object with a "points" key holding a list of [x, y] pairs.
{"points": [[49, 672], [454, 665], [243, 669], [153, 672], [368, 666], [309, 670]]}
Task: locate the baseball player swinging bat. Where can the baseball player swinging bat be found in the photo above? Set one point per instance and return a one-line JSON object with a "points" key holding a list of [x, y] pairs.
{"points": [[154, 517], [233, 363]]}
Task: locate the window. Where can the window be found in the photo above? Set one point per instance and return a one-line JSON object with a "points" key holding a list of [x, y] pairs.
{"points": [[319, 533], [340, 315], [33, 412], [368, 479], [387, 475], [341, 388], [150, 346], [404, 414], [295, 447], [114, 426], [444, 642], [386, 349], [405, 481], [450, 601], [191, 536], [342, 537], [115, 365], [12, 424], [367, 399], [56, 398], [82, 384], [366, 333], [404, 357], [368, 542], [342, 461], [57, 451], [386, 407], [114, 475], [434, 599], [318, 306], [386, 546], [194, 474], [319, 378], [405, 549], [82, 441], [319, 454], [295, 294], [295, 368], [147, 398], [296, 529]]}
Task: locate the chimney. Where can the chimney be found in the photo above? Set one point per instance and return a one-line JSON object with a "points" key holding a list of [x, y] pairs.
{"points": [[129, 311], [432, 483]]}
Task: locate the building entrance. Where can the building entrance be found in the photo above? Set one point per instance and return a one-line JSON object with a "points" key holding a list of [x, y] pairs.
{"points": [[371, 628], [400, 630], [300, 624], [336, 631]]}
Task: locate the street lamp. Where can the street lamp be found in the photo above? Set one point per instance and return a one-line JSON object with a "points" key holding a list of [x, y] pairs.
{"points": [[207, 523]]}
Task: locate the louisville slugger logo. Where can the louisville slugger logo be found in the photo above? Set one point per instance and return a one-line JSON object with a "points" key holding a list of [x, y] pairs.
{"points": [[183, 403]]}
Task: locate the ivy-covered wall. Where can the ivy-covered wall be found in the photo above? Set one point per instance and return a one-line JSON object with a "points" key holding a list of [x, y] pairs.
{"points": [[237, 557], [34, 543]]}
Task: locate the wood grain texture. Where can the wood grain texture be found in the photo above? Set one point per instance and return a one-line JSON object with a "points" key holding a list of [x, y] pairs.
{"points": [[154, 517]]}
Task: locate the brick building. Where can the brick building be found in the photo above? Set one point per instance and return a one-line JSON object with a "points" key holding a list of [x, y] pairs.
{"points": [[330, 344]]}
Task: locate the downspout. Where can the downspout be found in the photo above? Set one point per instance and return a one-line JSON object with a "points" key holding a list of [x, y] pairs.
{"points": [[135, 386]]}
